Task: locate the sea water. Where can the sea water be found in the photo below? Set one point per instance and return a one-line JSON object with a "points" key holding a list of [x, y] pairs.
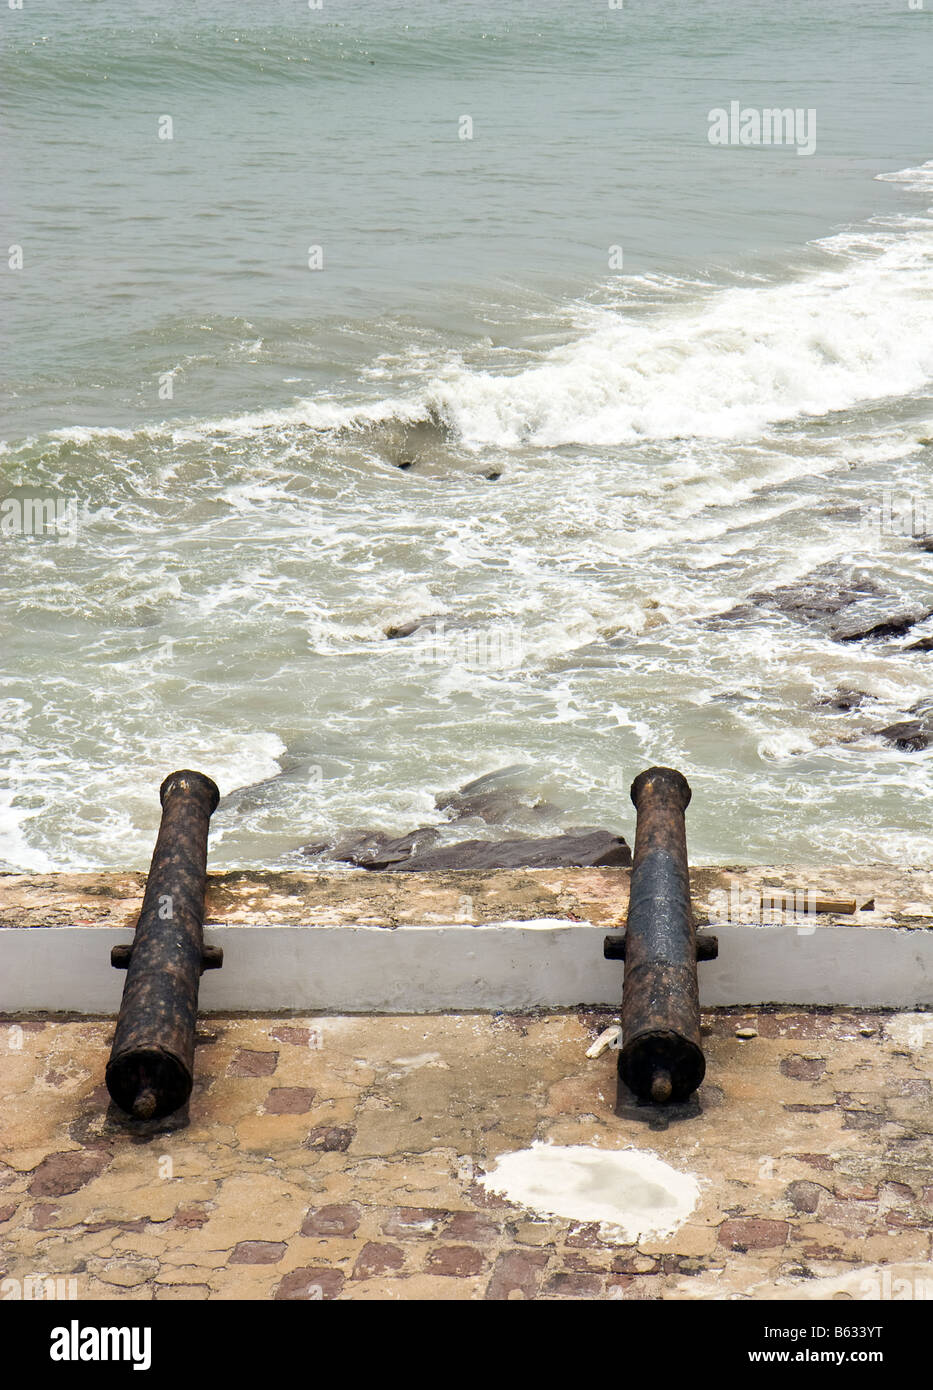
{"points": [[320, 320]]}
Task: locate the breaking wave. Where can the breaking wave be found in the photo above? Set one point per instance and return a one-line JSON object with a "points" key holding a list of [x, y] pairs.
{"points": [[720, 363]]}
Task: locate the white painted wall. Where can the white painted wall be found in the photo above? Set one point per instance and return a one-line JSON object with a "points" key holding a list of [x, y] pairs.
{"points": [[507, 965]]}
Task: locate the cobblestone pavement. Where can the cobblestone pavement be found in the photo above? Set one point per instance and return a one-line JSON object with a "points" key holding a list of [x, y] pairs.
{"points": [[338, 1158]]}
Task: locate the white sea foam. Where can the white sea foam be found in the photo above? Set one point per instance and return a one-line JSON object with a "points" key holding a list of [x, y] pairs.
{"points": [[15, 847], [725, 366], [920, 178]]}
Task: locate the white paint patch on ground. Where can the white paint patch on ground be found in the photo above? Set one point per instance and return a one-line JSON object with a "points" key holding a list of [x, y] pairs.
{"points": [[631, 1193]]}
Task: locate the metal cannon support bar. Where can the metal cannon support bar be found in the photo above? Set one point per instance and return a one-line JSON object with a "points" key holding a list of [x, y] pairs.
{"points": [[660, 1059], [151, 1067]]}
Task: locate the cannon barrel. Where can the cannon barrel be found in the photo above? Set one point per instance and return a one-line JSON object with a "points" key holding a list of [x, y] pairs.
{"points": [[151, 1067], [660, 1058]]}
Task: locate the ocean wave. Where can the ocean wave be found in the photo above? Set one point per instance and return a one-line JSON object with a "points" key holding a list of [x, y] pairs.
{"points": [[727, 365], [919, 179], [724, 363], [715, 362], [187, 48]]}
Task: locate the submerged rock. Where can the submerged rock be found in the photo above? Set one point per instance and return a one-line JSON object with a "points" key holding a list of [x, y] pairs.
{"points": [[439, 623], [345, 851], [492, 800], [498, 798], [406, 629], [258, 794], [515, 772], [848, 608], [497, 808], [862, 628], [843, 700], [373, 849], [597, 849], [494, 807], [819, 596], [911, 735], [392, 853]]}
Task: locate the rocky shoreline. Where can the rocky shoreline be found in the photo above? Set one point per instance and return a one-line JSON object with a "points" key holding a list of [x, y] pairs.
{"points": [[486, 801], [842, 603]]}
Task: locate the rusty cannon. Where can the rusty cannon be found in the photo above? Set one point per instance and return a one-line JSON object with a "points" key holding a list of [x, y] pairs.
{"points": [[660, 1057], [151, 1069]]}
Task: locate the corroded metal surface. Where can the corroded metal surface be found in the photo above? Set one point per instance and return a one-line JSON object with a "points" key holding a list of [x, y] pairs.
{"points": [[661, 1058], [151, 1067]]}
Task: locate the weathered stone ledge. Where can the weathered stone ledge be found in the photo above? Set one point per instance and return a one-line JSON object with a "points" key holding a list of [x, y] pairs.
{"points": [[902, 897], [461, 941]]}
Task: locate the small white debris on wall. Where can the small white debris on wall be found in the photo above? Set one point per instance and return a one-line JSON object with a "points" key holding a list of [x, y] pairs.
{"points": [[631, 1193]]}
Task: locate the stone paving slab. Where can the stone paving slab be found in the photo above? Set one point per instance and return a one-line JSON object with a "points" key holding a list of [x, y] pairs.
{"points": [[339, 1157]]}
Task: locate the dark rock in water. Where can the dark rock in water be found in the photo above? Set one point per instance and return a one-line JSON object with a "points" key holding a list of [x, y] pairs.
{"points": [[350, 849], [583, 830], [489, 780], [315, 849], [911, 734], [404, 629], [819, 596], [438, 623], [494, 807], [374, 849], [492, 477], [258, 794], [492, 799], [596, 850], [925, 543], [498, 798], [583, 847], [394, 852], [861, 628], [843, 700], [924, 644], [742, 612], [847, 608]]}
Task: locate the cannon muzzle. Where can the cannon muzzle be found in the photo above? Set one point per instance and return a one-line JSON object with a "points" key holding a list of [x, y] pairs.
{"points": [[151, 1067]]}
